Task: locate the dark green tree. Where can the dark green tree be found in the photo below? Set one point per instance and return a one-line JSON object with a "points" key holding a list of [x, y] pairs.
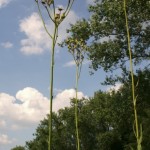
{"points": [[18, 148], [106, 32], [105, 120]]}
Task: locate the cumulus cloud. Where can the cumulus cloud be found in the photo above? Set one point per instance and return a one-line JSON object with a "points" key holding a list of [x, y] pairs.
{"points": [[62, 99], [30, 109], [34, 105], [7, 45], [37, 40], [23, 111], [30, 106], [4, 3], [4, 140]]}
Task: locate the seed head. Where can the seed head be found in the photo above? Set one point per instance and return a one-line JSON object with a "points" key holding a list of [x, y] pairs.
{"points": [[57, 16], [60, 9], [49, 2], [43, 2], [63, 16]]}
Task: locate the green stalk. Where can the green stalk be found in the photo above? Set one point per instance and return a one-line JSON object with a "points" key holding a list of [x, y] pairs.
{"points": [[40, 14], [51, 86], [133, 87], [54, 39], [76, 108]]}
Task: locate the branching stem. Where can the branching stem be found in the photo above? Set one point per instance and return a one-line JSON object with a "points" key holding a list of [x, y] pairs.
{"points": [[40, 14]]}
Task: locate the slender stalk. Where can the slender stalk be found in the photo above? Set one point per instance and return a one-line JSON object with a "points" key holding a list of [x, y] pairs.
{"points": [[56, 20], [49, 14], [40, 14], [51, 87], [76, 108], [77, 48], [133, 86], [68, 8]]}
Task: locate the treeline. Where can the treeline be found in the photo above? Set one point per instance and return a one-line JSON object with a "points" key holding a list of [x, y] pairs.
{"points": [[105, 121]]}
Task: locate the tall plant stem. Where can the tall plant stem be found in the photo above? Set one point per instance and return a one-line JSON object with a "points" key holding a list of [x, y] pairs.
{"points": [[56, 22], [76, 109], [133, 86], [51, 86]]}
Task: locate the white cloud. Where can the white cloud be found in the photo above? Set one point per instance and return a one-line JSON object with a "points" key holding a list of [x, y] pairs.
{"points": [[92, 1], [69, 64], [37, 40], [24, 111], [16, 127], [145, 24], [116, 87], [4, 3], [89, 1], [32, 108], [6, 102], [62, 99], [4, 140], [7, 45], [2, 124], [72, 63], [34, 105]]}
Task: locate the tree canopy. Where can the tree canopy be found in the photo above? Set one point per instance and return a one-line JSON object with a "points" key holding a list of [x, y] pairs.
{"points": [[105, 120], [106, 32], [18, 148]]}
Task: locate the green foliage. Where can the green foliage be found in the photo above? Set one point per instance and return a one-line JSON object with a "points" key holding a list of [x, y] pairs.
{"points": [[105, 121], [18, 148], [106, 31], [138, 131]]}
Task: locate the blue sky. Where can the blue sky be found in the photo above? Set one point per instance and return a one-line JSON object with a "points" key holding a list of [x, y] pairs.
{"points": [[25, 65]]}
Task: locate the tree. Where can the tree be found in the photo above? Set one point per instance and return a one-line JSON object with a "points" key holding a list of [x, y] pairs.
{"points": [[105, 120], [122, 113], [106, 31], [18, 148]]}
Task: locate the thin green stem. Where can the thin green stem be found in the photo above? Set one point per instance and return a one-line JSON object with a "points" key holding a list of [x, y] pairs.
{"points": [[40, 14], [49, 13], [132, 78], [68, 8], [54, 8], [76, 108], [51, 87], [54, 40]]}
